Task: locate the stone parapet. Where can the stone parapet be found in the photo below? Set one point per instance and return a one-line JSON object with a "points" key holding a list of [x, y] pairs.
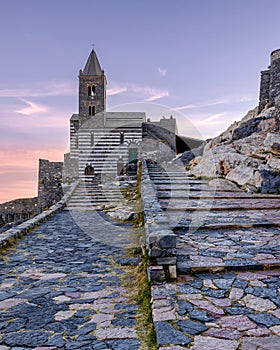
{"points": [[8, 236], [160, 239]]}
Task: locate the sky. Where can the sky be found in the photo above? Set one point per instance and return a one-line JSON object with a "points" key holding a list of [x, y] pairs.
{"points": [[199, 59]]}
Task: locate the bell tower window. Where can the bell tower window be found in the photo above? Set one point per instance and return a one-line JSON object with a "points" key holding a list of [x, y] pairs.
{"points": [[91, 90], [91, 110]]}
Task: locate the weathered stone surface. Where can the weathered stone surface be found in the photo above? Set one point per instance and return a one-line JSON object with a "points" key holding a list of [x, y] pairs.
{"points": [[224, 333], [27, 338], [264, 319], [115, 333], [163, 314], [258, 304], [240, 322], [237, 154], [72, 290], [191, 327], [269, 343], [166, 334], [209, 343]]}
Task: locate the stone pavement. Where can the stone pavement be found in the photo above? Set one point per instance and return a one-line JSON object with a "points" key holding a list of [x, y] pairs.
{"points": [[228, 256], [60, 288]]}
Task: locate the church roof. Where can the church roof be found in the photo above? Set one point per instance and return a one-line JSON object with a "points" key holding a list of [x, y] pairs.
{"points": [[112, 120], [74, 117], [124, 119], [92, 66]]}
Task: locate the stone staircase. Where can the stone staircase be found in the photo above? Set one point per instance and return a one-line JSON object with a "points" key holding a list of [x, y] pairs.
{"points": [[217, 229], [92, 195]]}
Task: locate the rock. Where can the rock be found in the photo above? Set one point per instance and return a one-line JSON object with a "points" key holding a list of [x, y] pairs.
{"points": [[224, 185], [166, 334], [247, 153], [254, 343], [191, 327], [209, 343], [187, 156], [28, 338], [264, 319]]}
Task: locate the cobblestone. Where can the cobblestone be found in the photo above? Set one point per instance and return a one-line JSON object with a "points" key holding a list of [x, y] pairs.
{"points": [[60, 289], [227, 293]]}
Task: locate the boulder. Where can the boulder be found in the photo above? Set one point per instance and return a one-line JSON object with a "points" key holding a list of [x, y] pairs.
{"points": [[247, 153]]}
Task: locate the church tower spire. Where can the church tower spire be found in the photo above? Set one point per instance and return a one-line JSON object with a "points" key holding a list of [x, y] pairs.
{"points": [[92, 89]]}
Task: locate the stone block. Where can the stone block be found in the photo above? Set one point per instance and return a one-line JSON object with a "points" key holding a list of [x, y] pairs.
{"points": [[170, 260], [172, 271], [155, 252], [167, 239], [156, 273]]}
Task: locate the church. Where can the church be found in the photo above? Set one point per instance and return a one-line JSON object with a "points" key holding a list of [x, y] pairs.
{"points": [[103, 143], [106, 144]]}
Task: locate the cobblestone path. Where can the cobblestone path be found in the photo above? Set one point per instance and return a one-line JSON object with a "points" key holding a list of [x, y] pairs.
{"points": [[60, 288], [227, 296]]}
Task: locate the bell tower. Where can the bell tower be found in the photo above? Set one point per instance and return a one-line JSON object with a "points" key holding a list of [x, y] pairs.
{"points": [[92, 89]]}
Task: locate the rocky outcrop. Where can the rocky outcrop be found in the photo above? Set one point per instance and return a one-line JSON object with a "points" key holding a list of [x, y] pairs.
{"points": [[247, 153]]}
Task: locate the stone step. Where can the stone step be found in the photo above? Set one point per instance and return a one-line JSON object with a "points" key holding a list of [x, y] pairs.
{"points": [[181, 194], [221, 204], [209, 217], [235, 249]]}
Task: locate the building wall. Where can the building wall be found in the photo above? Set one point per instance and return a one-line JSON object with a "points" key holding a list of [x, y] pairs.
{"points": [[264, 89], [49, 183], [101, 148], [274, 87]]}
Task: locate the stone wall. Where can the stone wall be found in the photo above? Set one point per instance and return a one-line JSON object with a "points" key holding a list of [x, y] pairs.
{"points": [[17, 210], [70, 168], [274, 87], [270, 83], [264, 89], [160, 239], [49, 183]]}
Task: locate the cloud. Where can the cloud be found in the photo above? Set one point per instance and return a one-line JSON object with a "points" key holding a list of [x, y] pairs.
{"points": [[148, 93], [33, 108], [116, 90], [190, 106], [215, 116], [215, 102], [162, 71]]}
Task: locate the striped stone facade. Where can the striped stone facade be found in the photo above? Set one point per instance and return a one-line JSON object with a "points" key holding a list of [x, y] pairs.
{"points": [[101, 142]]}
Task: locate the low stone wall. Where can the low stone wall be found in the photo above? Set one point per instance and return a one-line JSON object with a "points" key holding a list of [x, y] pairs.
{"points": [[17, 210], [160, 239], [8, 236]]}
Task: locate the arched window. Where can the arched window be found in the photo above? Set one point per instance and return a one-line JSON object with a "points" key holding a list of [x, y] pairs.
{"points": [[91, 90], [89, 170], [121, 137], [91, 110]]}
